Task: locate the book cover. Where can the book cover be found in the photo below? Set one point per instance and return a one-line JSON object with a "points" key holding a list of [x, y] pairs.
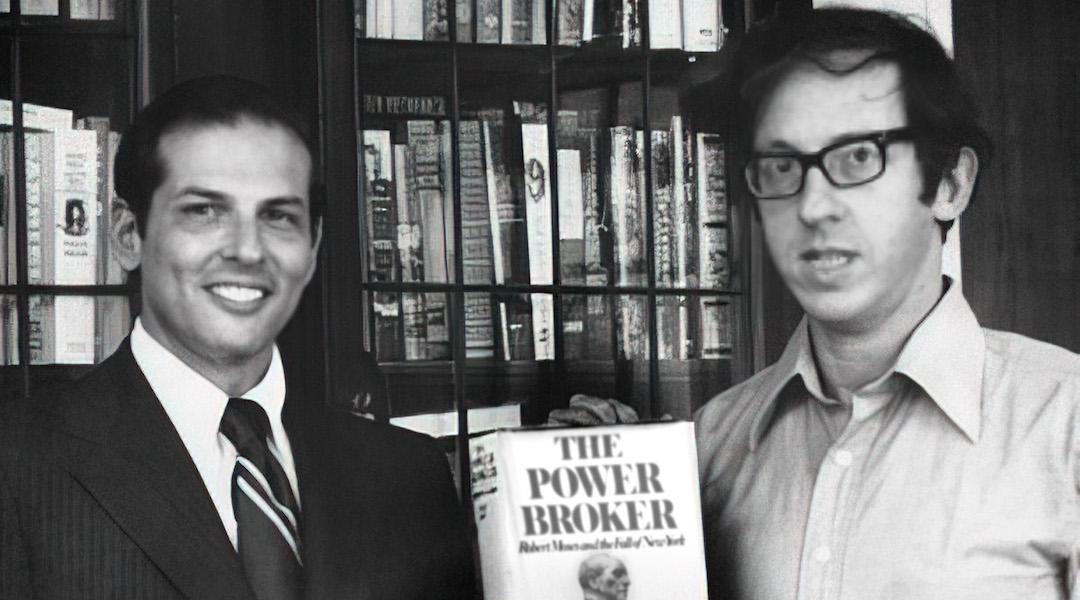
{"points": [[601, 512], [488, 21], [76, 244], [75, 208]]}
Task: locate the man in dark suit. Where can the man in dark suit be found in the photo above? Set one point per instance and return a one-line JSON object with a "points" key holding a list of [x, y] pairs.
{"points": [[182, 467]]}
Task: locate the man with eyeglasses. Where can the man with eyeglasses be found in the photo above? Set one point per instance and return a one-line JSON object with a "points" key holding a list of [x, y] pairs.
{"points": [[896, 449]]}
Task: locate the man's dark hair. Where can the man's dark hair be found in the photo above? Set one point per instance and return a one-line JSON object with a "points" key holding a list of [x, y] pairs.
{"points": [[213, 100], [940, 112]]}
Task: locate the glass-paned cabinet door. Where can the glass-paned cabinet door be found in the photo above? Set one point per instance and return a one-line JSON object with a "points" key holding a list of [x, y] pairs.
{"points": [[538, 215], [74, 83]]}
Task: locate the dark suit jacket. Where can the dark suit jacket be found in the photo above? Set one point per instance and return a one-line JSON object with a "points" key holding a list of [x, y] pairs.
{"points": [[100, 499]]}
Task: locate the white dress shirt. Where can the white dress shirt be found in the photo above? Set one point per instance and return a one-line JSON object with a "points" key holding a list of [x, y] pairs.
{"points": [[195, 407]]}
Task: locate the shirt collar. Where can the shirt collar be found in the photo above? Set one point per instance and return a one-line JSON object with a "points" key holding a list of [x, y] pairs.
{"points": [[944, 355], [192, 402]]}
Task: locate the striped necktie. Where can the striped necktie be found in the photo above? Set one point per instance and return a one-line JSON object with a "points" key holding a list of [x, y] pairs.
{"points": [[267, 514]]}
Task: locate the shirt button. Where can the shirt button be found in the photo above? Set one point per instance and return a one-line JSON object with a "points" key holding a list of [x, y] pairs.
{"points": [[822, 554], [843, 458]]}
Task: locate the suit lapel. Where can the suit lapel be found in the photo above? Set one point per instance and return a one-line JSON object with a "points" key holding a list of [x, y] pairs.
{"points": [[137, 468]]}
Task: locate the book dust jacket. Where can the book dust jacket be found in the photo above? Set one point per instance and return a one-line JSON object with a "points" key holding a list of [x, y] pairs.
{"points": [[609, 512]]}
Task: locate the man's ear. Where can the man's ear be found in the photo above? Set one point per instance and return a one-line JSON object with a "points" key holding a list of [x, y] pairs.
{"points": [[954, 191], [126, 241]]}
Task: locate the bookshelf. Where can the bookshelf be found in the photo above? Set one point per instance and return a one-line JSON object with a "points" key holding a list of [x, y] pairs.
{"points": [[515, 223], [71, 83]]}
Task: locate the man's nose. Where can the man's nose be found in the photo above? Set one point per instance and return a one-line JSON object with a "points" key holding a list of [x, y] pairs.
{"points": [[817, 200], [245, 242]]}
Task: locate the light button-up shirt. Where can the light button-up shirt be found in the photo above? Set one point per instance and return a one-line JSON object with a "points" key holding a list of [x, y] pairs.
{"points": [[956, 476]]}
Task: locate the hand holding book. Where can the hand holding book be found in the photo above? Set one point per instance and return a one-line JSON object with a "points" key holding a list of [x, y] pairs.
{"points": [[590, 410]]}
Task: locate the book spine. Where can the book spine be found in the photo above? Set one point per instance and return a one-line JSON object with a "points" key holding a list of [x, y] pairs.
{"points": [[8, 273], [42, 329], [464, 16], [665, 24], [436, 21], [84, 10], [40, 174], [380, 202], [701, 25], [664, 240], [539, 22], [571, 22], [534, 143], [45, 8], [114, 271], [408, 19], [715, 268], [488, 21], [631, 23], [517, 23], [627, 204], [100, 127], [572, 251], [425, 146], [477, 255]]}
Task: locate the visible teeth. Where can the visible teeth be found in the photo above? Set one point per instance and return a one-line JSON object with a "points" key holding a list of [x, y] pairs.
{"points": [[830, 260], [237, 293]]}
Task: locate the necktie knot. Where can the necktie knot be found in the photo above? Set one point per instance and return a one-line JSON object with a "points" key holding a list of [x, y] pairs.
{"points": [[245, 425]]}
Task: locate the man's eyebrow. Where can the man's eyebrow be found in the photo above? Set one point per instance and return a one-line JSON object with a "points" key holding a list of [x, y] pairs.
{"points": [[783, 146], [284, 201], [201, 192]]}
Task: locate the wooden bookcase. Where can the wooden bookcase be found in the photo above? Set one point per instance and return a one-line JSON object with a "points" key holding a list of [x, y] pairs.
{"points": [[91, 64], [661, 348]]}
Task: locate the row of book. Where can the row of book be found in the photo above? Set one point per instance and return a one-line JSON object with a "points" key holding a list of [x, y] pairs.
{"points": [[508, 234], [82, 10], [68, 187], [83, 340], [691, 25]]}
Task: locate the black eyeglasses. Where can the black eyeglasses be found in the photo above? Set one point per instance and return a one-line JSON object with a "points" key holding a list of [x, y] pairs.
{"points": [[847, 163]]}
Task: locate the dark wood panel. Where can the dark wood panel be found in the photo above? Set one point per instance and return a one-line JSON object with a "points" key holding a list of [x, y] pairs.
{"points": [[1021, 237]]}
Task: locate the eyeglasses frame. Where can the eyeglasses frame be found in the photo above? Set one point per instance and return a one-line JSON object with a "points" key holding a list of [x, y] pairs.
{"points": [[881, 139]]}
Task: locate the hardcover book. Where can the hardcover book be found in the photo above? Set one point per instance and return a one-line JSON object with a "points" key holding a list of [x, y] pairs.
{"points": [[610, 511]]}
